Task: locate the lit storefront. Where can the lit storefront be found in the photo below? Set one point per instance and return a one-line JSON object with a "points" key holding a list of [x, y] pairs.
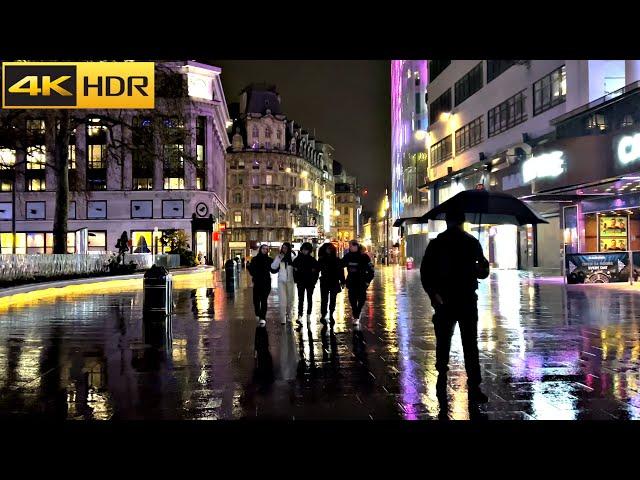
{"points": [[593, 177]]}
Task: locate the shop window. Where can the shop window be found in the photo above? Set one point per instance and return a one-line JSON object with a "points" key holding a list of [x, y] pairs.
{"points": [[35, 242], [141, 241], [97, 240]]}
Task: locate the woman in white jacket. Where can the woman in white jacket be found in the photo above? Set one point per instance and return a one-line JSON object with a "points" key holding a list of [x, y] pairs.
{"points": [[283, 266]]}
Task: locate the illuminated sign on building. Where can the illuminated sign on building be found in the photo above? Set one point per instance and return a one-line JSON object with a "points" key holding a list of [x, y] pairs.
{"points": [[545, 165], [304, 196], [629, 149], [305, 232]]}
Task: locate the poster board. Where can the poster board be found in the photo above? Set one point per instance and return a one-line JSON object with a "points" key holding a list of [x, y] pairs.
{"points": [[613, 233]]}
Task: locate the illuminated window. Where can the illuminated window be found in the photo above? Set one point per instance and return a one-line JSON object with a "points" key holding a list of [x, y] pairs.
{"points": [[7, 157], [6, 185], [6, 243], [96, 155], [142, 241], [200, 152], [174, 183], [97, 241], [36, 185], [550, 90], [36, 158], [597, 121], [35, 127], [237, 217], [72, 157], [35, 242], [143, 183], [269, 179]]}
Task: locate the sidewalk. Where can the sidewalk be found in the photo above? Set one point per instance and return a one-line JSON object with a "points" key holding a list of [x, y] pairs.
{"points": [[7, 294]]}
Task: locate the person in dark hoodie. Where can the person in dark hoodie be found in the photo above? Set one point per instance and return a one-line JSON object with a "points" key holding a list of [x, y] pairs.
{"points": [[331, 279], [360, 273], [260, 271], [305, 274], [452, 264]]}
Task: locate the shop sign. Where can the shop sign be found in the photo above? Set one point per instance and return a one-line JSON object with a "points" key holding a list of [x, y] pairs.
{"points": [[305, 232], [629, 149], [237, 244], [597, 267], [543, 166]]}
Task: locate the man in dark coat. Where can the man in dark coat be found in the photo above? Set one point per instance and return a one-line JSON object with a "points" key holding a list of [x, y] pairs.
{"points": [[305, 274], [260, 271], [360, 273], [452, 264], [331, 279]]}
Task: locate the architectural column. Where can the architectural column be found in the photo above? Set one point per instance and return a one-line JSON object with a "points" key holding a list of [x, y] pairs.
{"points": [[631, 71], [190, 149], [81, 160]]}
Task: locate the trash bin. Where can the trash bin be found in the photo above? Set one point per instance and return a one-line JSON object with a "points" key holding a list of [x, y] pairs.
{"points": [[158, 286], [409, 263]]}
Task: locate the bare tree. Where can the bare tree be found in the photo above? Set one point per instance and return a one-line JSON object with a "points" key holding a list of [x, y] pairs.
{"points": [[126, 134]]}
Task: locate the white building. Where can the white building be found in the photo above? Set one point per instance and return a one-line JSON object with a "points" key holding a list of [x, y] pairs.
{"points": [[484, 118], [113, 195]]}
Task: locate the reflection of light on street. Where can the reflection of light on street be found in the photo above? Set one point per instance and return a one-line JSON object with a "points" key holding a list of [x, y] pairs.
{"points": [[389, 300], [179, 351], [408, 377], [553, 402]]}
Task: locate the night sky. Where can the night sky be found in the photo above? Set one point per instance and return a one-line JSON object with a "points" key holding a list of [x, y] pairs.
{"points": [[346, 101]]}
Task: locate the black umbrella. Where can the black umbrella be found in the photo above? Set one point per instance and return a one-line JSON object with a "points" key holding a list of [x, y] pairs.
{"points": [[481, 206]]}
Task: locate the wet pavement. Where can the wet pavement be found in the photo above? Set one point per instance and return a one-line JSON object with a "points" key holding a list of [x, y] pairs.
{"points": [[547, 352]]}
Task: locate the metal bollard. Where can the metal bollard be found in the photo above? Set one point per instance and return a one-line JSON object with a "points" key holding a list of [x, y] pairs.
{"points": [[158, 295]]}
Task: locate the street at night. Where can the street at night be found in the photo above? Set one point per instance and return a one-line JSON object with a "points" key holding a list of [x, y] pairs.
{"points": [[547, 351]]}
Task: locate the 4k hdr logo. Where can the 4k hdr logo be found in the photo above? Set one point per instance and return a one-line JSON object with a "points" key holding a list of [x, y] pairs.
{"points": [[78, 85]]}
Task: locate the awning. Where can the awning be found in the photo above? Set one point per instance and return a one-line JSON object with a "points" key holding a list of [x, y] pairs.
{"points": [[410, 220]]}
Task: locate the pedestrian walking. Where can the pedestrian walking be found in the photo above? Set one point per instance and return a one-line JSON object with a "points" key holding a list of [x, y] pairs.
{"points": [[452, 264], [331, 280], [260, 270], [305, 272], [360, 273], [283, 266]]}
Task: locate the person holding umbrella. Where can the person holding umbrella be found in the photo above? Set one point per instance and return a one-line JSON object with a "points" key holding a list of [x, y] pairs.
{"points": [[450, 269], [452, 264]]}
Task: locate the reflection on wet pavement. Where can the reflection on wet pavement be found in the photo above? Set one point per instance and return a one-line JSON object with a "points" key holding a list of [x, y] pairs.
{"points": [[547, 352]]}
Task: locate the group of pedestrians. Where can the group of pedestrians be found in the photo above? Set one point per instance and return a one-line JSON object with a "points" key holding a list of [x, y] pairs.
{"points": [[303, 271], [452, 264]]}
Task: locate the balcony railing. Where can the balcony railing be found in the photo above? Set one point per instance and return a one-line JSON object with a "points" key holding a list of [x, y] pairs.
{"points": [[597, 102]]}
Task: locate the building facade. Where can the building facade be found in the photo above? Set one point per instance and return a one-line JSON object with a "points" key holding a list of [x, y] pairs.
{"points": [[486, 117], [409, 124], [178, 184], [348, 209], [280, 179]]}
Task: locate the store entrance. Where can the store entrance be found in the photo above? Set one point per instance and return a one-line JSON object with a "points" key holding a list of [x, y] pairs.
{"points": [[499, 244]]}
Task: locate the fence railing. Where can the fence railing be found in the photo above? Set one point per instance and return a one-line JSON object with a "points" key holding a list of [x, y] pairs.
{"points": [[42, 266], [28, 267]]}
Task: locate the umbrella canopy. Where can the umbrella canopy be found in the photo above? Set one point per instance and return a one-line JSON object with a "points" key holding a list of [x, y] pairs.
{"points": [[484, 207]]}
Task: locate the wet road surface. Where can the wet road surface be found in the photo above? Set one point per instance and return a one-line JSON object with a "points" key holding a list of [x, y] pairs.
{"points": [[547, 352]]}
